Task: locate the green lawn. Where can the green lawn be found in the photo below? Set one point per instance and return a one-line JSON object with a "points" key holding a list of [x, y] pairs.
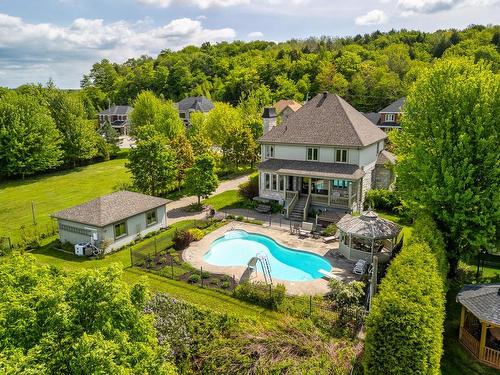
{"points": [[55, 191], [229, 198]]}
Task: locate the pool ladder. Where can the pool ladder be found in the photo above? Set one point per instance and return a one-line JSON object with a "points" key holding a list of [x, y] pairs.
{"points": [[266, 268]]}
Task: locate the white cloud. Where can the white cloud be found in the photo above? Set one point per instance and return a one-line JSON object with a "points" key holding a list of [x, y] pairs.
{"points": [[32, 48], [373, 17], [255, 35], [205, 4], [410, 7]]}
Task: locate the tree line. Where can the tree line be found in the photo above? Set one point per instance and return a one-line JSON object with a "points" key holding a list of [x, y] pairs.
{"points": [[369, 70]]}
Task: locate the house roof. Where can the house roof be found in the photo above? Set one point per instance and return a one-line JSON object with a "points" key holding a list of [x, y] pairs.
{"points": [[372, 116], [110, 208], [283, 103], [394, 107], [483, 300], [195, 103], [313, 169], [326, 119], [368, 225], [117, 110], [385, 157]]}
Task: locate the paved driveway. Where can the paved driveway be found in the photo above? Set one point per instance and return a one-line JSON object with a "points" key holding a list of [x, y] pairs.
{"points": [[176, 210]]}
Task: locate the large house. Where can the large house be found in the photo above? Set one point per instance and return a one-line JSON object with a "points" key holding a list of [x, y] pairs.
{"points": [[286, 107], [112, 220], [193, 104], [117, 116], [325, 155], [388, 118]]}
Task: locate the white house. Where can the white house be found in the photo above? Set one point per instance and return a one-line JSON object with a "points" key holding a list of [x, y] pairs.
{"points": [[324, 155], [116, 219]]}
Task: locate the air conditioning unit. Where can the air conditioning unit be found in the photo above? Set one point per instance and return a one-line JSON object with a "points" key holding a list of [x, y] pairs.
{"points": [[80, 249]]}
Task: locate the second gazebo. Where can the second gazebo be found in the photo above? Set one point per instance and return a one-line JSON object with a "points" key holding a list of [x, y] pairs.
{"points": [[362, 237]]}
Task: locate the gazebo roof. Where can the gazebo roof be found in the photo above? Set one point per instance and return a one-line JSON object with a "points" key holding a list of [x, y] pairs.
{"points": [[368, 225], [482, 300]]}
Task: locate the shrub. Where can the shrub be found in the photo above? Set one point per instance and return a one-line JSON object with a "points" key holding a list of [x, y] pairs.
{"points": [[330, 230], [225, 284], [385, 200], [405, 325], [261, 294], [182, 239], [205, 275], [194, 278], [196, 233], [250, 189]]}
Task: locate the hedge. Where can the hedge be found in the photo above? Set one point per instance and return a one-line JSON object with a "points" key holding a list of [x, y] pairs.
{"points": [[404, 329], [382, 199], [261, 294]]}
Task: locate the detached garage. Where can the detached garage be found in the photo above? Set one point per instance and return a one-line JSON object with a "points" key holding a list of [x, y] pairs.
{"points": [[112, 220]]}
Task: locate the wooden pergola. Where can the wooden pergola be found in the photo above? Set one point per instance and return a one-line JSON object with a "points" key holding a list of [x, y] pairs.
{"points": [[480, 322]]}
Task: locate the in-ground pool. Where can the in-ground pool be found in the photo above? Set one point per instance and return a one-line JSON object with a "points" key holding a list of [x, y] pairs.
{"points": [[237, 247]]}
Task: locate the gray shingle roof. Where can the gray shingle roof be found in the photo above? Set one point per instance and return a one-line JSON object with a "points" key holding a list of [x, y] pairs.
{"points": [[483, 300], [372, 116], [117, 110], [369, 225], [312, 169], [394, 107], [110, 208], [385, 157], [326, 119], [195, 103]]}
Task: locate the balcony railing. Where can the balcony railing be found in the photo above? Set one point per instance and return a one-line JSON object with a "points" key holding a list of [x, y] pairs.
{"points": [[470, 342], [491, 356]]}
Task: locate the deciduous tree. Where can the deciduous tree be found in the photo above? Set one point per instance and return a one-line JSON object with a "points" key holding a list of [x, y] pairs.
{"points": [[201, 179]]}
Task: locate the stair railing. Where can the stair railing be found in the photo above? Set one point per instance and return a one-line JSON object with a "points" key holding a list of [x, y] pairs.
{"points": [[306, 208], [292, 203]]}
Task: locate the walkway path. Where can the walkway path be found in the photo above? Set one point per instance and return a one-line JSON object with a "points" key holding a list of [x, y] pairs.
{"points": [[176, 210]]}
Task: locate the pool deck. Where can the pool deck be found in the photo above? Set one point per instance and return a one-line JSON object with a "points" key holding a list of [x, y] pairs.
{"points": [[340, 266]]}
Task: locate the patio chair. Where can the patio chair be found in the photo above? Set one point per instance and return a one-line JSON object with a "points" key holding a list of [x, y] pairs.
{"points": [[295, 229], [360, 267], [329, 275], [263, 209], [330, 238], [306, 229]]}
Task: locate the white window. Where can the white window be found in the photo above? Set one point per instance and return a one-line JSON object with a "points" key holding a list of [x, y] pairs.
{"points": [[150, 217], [120, 230], [267, 181], [269, 151], [341, 156], [312, 154], [390, 117]]}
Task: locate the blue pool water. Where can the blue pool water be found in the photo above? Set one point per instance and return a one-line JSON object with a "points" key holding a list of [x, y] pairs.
{"points": [[237, 247]]}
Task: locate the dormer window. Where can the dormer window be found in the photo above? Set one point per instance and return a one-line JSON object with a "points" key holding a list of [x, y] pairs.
{"points": [[269, 151], [312, 154], [390, 117], [341, 156]]}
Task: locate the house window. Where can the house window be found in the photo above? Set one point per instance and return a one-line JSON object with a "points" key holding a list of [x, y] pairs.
{"points": [[275, 181], [341, 156], [150, 217], [390, 117], [182, 115], [312, 154], [282, 182], [120, 230], [267, 181], [340, 184], [269, 151]]}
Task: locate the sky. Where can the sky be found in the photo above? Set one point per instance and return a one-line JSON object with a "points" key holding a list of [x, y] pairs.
{"points": [[61, 39]]}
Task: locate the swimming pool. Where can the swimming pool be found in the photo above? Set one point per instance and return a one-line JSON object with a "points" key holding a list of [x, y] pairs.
{"points": [[237, 247]]}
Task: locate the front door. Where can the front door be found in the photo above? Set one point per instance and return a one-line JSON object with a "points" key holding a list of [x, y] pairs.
{"points": [[290, 183], [305, 185]]}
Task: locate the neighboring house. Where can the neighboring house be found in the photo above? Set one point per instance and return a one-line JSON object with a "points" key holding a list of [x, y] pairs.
{"points": [[286, 107], [193, 104], [117, 116], [388, 118], [324, 155], [117, 219], [384, 176]]}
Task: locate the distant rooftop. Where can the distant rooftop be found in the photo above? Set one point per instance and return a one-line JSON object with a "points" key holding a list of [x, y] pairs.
{"points": [[283, 103], [394, 107], [117, 110], [372, 116], [326, 119], [195, 103], [385, 157], [110, 208]]}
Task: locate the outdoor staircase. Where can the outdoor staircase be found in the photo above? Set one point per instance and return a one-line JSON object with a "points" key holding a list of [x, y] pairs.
{"points": [[297, 213]]}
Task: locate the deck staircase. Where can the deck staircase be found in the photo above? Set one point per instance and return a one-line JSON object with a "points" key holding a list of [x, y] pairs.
{"points": [[297, 213]]}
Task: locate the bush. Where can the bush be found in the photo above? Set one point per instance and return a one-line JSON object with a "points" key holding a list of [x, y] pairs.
{"points": [[205, 275], [196, 233], [385, 200], [405, 325], [250, 189], [194, 278], [182, 239], [330, 230], [259, 294]]}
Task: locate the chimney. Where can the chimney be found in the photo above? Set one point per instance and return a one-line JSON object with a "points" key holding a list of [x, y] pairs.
{"points": [[325, 94], [269, 118]]}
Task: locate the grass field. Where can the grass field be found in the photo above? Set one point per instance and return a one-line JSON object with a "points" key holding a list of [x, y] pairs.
{"points": [[55, 191]]}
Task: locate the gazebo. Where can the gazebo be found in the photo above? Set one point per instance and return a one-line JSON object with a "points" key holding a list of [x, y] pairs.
{"points": [[480, 322], [362, 237]]}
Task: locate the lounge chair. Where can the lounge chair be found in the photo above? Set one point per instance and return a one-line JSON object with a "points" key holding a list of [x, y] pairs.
{"points": [[306, 229], [360, 267], [329, 275], [330, 239], [262, 208]]}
